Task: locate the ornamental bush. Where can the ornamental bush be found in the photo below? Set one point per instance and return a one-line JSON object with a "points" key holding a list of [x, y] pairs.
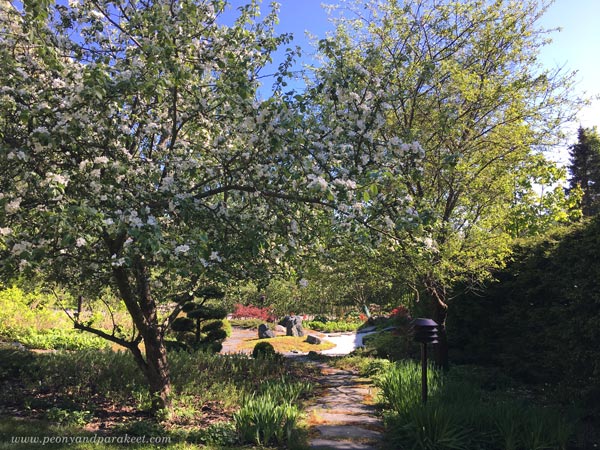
{"points": [[262, 350], [252, 312]]}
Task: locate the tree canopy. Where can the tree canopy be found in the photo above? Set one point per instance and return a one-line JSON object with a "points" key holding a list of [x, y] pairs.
{"points": [[445, 102]]}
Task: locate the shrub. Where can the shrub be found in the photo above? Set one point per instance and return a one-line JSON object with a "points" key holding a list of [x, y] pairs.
{"points": [[270, 417], [252, 312], [262, 350], [283, 390], [331, 326], [547, 295], [67, 417], [202, 328]]}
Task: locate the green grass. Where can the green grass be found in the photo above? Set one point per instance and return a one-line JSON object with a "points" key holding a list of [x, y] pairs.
{"points": [[284, 344], [462, 414], [71, 389]]}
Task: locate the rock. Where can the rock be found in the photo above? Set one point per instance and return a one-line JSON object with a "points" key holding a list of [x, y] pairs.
{"points": [[264, 332], [279, 329], [312, 339], [293, 326]]}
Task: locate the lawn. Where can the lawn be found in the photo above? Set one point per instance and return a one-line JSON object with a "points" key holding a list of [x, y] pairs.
{"points": [[286, 344]]}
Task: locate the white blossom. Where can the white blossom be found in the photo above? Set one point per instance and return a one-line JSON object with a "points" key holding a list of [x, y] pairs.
{"points": [[54, 178], [5, 231], [117, 262], [80, 242], [182, 249], [303, 283], [20, 247], [317, 182], [214, 256], [13, 206]]}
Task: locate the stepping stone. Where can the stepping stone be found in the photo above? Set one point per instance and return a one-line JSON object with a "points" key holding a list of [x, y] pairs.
{"points": [[347, 432], [350, 419], [327, 444], [347, 408]]}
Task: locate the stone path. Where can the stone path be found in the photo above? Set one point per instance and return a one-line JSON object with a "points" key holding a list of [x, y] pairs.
{"points": [[342, 418]]}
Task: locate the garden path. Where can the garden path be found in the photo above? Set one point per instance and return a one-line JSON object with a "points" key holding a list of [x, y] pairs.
{"points": [[342, 417]]}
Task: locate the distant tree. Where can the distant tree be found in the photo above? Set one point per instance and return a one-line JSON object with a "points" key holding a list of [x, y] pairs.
{"points": [[585, 169]]}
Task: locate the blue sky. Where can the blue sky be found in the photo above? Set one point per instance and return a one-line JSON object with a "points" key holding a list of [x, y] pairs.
{"points": [[575, 47]]}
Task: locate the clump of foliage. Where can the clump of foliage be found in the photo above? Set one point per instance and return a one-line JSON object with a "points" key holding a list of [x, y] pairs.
{"points": [[252, 312], [461, 414], [202, 327], [332, 326], [55, 339], [270, 416], [262, 350]]}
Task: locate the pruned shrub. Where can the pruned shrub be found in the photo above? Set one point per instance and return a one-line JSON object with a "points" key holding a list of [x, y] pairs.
{"points": [[262, 350]]}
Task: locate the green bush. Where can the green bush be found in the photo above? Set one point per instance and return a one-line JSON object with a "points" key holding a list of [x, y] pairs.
{"points": [[246, 323], [262, 350], [283, 390], [218, 434], [400, 386], [539, 319], [331, 326]]}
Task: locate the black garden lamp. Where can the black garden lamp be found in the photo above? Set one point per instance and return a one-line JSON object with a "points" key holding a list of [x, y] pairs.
{"points": [[425, 332]]}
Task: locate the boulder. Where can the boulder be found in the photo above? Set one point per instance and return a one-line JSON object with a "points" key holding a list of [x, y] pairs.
{"points": [[312, 339], [293, 326], [279, 329], [264, 332]]}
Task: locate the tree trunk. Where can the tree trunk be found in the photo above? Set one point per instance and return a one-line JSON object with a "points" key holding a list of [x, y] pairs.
{"points": [[157, 373], [143, 310]]}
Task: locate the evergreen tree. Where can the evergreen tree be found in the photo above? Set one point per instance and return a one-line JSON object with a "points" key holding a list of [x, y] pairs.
{"points": [[585, 168]]}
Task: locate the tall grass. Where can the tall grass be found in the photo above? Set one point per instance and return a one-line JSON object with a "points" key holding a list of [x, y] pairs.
{"points": [[461, 415], [400, 386], [270, 415]]}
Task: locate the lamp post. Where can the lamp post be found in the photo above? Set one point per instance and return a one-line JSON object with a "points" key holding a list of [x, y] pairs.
{"points": [[425, 332]]}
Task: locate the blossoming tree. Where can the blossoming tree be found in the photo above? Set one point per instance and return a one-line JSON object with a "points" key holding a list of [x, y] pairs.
{"points": [[136, 155]]}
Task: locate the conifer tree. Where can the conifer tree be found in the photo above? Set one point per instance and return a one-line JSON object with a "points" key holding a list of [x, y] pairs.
{"points": [[585, 168]]}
